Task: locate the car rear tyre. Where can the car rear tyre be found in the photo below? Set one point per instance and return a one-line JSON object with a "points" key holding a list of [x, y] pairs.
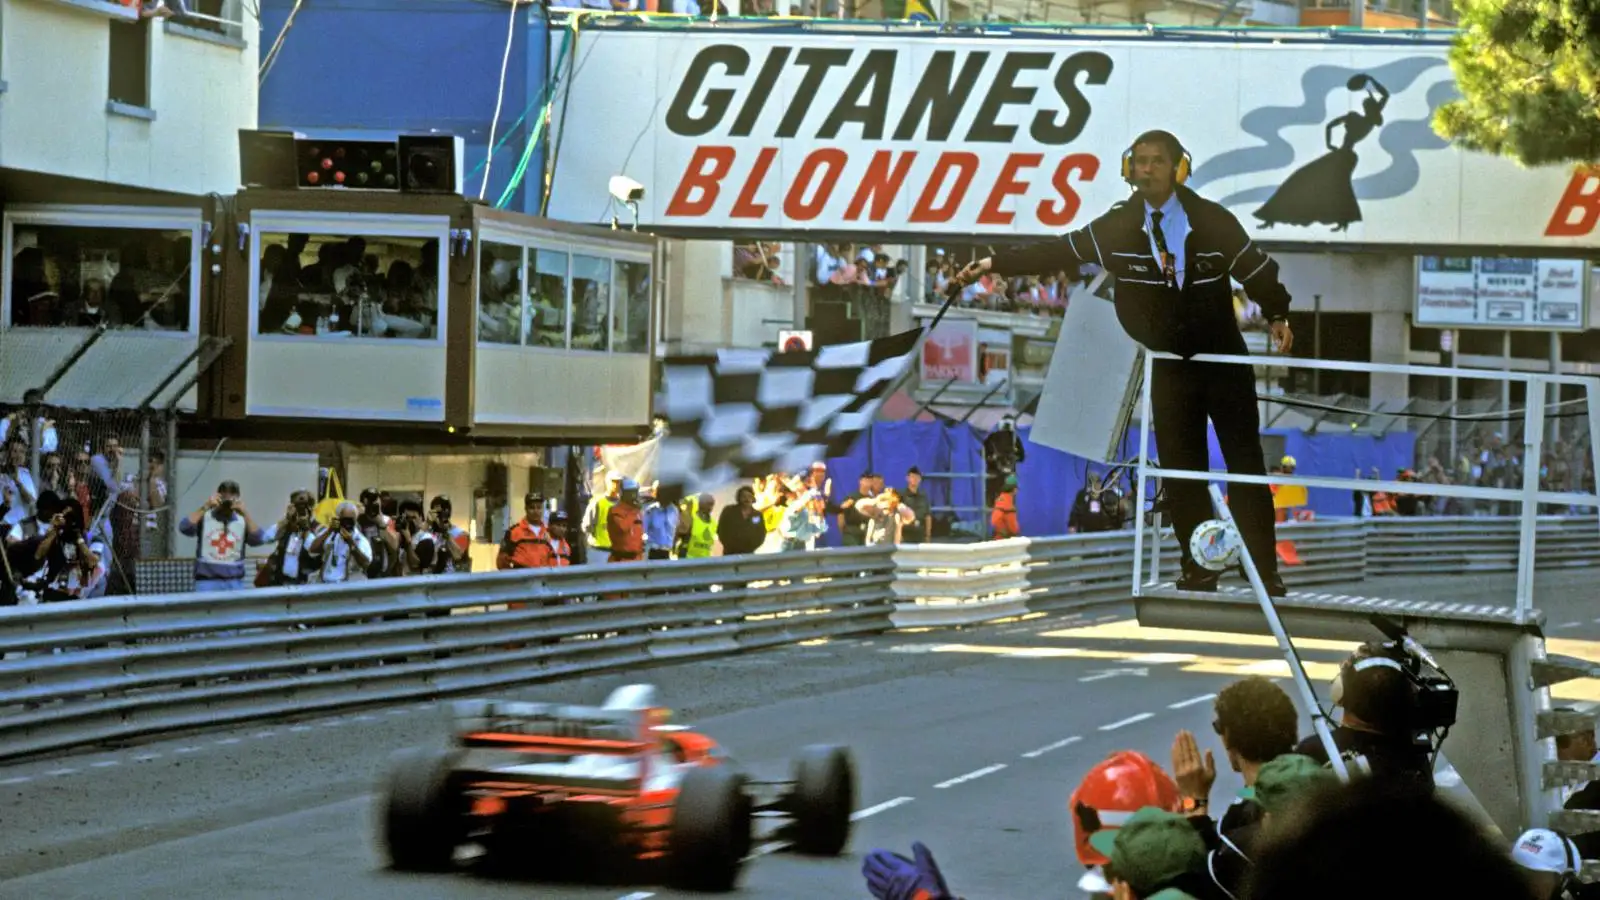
{"points": [[423, 821], [710, 830], [824, 795]]}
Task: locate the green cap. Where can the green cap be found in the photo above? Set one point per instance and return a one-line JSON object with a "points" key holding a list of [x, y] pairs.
{"points": [[1286, 777], [1152, 848], [1170, 894]]}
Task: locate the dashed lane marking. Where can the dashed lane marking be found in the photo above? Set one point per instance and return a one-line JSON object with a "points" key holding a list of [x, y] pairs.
{"points": [[971, 776], [146, 757], [187, 750], [1191, 701], [885, 806], [637, 895], [59, 773], [1035, 754], [223, 742], [1569, 625], [263, 735], [1128, 721], [20, 779], [105, 764]]}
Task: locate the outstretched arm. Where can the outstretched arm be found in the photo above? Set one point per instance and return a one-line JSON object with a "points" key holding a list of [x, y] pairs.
{"points": [[1066, 253]]}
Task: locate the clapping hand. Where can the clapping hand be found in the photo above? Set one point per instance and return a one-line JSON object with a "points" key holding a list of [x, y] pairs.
{"points": [[891, 876]]}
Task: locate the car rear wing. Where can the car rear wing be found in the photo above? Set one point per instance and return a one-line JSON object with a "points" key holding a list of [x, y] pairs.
{"points": [[551, 727]]}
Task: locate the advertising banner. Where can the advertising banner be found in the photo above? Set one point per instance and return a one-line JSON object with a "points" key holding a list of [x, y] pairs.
{"points": [[1500, 293], [889, 132], [950, 353]]}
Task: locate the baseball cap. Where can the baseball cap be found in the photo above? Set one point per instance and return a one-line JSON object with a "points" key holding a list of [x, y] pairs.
{"points": [[1285, 777], [1153, 847], [1542, 850]]}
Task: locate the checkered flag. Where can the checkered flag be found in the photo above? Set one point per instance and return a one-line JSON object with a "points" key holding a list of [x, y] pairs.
{"points": [[745, 414]]}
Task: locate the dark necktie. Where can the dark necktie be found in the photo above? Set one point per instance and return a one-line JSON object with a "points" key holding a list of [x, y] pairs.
{"points": [[1169, 267]]}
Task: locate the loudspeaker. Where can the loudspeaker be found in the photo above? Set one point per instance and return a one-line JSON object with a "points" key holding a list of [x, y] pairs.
{"points": [[267, 158], [431, 163]]}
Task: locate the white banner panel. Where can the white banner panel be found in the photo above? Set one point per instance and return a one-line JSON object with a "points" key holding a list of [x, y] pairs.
{"points": [[1011, 136], [1494, 292]]}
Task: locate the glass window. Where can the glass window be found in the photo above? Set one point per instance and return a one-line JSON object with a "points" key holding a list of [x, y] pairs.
{"points": [[630, 330], [591, 302], [547, 298], [340, 285], [83, 275], [502, 309]]}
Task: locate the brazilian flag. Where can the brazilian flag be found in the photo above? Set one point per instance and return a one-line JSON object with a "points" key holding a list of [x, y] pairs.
{"points": [[909, 10]]}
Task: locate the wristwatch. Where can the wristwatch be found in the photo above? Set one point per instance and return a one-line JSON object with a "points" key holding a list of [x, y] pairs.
{"points": [[1192, 805]]}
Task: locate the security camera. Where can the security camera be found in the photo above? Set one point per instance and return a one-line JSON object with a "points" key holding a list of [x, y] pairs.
{"points": [[626, 189]]}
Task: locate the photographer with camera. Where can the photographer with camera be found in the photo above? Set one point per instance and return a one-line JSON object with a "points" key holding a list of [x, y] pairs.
{"points": [[341, 549], [379, 530], [73, 567], [289, 562], [222, 529], [437, 547]]}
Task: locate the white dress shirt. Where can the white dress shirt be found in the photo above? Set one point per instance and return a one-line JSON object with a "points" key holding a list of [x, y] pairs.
{"points": [[1174, 227]]}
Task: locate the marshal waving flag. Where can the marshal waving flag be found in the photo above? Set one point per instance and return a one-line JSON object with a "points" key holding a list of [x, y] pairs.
{"points": [[742, 414]]}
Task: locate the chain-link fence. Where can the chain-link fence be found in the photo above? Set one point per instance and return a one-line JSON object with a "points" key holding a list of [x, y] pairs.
{"points": [[89, 431]]}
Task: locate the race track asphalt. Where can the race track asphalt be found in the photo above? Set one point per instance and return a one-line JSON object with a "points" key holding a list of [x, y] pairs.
{"points": [[969, 740]]}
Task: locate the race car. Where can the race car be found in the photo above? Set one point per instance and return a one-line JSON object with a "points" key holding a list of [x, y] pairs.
{"points": [[545, 786]]}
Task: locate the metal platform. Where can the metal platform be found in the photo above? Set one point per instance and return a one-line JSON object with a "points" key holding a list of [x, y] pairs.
{"points": [[1330, 616]]}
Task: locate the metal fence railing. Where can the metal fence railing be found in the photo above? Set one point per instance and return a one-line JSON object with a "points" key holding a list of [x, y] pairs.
{"points": [[87, 671]]}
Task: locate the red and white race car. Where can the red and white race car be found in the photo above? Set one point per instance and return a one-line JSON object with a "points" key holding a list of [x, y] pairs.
{"points": [[547, 786]]}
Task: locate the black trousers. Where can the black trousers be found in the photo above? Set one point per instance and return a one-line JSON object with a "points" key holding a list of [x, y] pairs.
{"points": [[1183, 395]]}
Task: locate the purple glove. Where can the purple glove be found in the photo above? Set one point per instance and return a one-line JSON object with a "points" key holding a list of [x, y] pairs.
{"points": [[891, 876]]}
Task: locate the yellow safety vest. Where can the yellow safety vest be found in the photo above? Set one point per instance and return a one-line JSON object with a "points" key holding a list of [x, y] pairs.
{"points": [[601, 536], [702, 534]]}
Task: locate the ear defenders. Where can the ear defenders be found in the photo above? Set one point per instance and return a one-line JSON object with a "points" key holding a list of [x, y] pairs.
{"points": [[1185, 163]]}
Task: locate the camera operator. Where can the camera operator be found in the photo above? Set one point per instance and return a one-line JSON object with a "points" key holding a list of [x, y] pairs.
{"points": [[341, 548], [380, 534], [438, 547], [290, 562], [1380, 723]]}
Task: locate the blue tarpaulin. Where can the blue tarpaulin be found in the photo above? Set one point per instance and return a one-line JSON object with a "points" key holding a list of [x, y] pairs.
{"points": [[1049, 479]]}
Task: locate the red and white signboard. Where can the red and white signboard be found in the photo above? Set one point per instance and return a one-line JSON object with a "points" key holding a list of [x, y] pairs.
{"points": [[743, 132], [950, 353]]}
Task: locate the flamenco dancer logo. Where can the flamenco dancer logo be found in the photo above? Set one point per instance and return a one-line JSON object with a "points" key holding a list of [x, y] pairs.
{"points": [[1325, 190]]}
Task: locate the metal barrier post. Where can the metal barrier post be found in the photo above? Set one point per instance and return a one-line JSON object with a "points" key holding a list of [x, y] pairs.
{"points": [[1297, 671], [1145, 426], [1532, 455]]}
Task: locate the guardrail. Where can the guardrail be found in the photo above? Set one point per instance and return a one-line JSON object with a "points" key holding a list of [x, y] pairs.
{"points": [[91, 671]]}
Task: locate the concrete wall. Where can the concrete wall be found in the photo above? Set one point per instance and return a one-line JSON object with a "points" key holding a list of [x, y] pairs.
{"points": [[55, 114]]}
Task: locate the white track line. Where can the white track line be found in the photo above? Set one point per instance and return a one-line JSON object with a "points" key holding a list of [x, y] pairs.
{"points": [[975, 774], [637, 895], [20, 779], [58, 773], [1128, 721], [1569, 624], [105, 764], [1191, 701], [885, 806], [1035, 754]]}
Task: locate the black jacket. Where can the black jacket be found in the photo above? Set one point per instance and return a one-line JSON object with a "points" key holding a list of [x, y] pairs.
{"points": [[1199, 318]]}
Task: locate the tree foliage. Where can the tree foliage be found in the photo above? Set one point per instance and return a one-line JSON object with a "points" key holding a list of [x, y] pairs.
{"points": [[1529, 75]]}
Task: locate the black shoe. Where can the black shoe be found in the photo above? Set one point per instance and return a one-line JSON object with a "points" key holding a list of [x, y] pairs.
{"points": [[1198, 579], [1274, 585]]}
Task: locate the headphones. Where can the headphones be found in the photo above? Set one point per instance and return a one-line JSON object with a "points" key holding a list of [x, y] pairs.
{"points": [[1368, 656], [1185, 161], [1569, 878]]}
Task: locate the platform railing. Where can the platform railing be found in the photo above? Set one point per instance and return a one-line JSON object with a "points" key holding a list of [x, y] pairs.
{"points": [[1528, 495]]}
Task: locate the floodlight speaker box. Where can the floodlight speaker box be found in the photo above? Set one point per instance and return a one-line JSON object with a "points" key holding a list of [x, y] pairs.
{"points": [[267, 159], [431, 163]]}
